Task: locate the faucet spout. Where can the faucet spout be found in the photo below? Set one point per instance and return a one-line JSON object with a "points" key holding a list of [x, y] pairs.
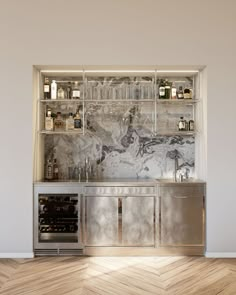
{"points": [[176, 168]]}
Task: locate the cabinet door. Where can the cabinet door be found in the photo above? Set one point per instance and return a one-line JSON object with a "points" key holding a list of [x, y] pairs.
{"points": [[101, 221], [181, 220], [138, 221]]}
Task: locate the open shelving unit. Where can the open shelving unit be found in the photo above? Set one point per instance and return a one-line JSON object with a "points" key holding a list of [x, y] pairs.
{"points": [[157, 115]]}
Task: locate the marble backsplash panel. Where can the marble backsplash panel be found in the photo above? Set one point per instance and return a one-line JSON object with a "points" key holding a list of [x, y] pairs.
{"points": [[118, 149]]}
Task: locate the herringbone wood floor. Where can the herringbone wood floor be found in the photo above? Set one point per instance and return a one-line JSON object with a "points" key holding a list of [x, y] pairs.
{"points": [[118, 275]]}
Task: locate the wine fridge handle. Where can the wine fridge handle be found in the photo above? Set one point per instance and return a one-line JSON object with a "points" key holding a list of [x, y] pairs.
{"points": [[82, 218]]}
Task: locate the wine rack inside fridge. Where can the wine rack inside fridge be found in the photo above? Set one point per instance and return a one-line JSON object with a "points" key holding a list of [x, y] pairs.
{"points": [[57, 222], [58, 218]]}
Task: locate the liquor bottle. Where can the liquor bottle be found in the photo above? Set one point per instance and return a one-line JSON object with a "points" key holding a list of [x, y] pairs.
{"points": [[76, 91], [61, 93], [77, 121], [49, 170], [180, 94], [167, 89], [191, 125], [46, 89], [70, 122], [187, 93], [58, 122], [162, 90], [55, 170], [49, 121], [173, 92], [68, 91], [53, 89], [182, 124]]}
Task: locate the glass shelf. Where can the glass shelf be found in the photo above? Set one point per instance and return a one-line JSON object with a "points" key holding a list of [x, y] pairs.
{"points": [[175, 133], [178, 101], [61, 100], [68, 132], [119, 100]]}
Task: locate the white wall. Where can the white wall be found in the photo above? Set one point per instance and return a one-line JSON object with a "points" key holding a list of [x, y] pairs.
{"points": [[109, 32]]}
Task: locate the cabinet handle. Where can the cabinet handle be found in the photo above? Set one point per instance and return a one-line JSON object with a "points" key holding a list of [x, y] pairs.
{"points": [[181, 197]]}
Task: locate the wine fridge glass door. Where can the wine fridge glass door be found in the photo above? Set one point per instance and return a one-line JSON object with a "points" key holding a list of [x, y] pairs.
{"points": [[58, 216]]}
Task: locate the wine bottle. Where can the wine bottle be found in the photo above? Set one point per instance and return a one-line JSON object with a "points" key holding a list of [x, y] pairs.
{"points": [[55, 170], [49, 170], [68, 91], [180, 94], [46, 89], [77, 121], [167, 89], [76, 91], [162, 90]]}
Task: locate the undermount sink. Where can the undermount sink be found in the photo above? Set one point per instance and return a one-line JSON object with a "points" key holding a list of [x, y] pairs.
{"points": [[184, 182]]}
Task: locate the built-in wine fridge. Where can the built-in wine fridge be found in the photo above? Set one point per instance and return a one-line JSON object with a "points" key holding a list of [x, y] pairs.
{"points": [[57, 228]]}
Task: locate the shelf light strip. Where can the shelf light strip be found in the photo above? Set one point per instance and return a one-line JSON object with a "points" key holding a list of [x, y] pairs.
{"points": [[120, 71]]}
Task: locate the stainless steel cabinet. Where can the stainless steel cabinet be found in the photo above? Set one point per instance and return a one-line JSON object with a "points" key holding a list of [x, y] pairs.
{"points": [[101, 221], [119, 216], [138, 221], [181, 215]]}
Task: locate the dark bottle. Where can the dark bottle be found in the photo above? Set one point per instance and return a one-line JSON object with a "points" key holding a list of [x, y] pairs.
{"points": [[68, 91], [46, 89], [182, 124], [55, 170], [180, 93], [191, 125], [49, 170], [77, 121], [167, 89], [162, 90]]}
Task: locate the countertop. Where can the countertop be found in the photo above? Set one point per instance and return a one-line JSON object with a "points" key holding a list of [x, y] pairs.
{"points": [[100, 182], [119, 182]]}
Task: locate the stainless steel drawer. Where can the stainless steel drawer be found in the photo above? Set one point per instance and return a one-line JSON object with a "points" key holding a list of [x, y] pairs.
{"points": [[182, 191], [120, 190]]}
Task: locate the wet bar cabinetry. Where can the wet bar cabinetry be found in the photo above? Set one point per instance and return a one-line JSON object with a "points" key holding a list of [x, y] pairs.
{"points": [[120, 218], [181, 214], [104, 124]]}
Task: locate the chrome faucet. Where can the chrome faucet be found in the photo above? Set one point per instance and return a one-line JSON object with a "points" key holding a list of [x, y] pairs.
{"points": [[87, 169], [175, 155], [177, 168]]}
